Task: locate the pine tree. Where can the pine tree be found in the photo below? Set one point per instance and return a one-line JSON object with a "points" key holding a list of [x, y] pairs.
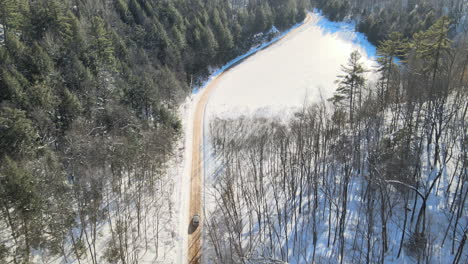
{"points": [[260, 20], [11, 15], [394, 47], [157, 38], [204, 45], [12, 87], [350, 83], [179, 39], [69, 108], [223, 36], [137, 12], [101, 49], [430, 46], [18, 138], [20, 199], [209, 42], [41, 65], [123, 11], [70, 32]]}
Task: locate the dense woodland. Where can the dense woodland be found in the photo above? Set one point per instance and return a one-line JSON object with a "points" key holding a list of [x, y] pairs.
{"points": [[376, 174], [89, 91], [378, 18]]}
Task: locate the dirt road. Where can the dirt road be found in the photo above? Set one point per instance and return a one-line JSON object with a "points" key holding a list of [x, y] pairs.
{"points": [[195, 235]]}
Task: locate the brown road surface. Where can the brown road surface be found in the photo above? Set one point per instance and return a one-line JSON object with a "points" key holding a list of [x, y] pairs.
{"points": [[196, 188]]}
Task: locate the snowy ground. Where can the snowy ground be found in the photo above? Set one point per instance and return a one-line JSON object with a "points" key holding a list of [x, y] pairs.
{"points": [[300, 68], [437, 212], [297, 70]]}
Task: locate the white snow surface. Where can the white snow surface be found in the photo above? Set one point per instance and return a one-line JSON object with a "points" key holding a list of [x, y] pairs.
{"points": [[300, 68]]}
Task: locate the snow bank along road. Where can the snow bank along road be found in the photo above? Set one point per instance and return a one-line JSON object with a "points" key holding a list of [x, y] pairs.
{"points": [[195, 207]]}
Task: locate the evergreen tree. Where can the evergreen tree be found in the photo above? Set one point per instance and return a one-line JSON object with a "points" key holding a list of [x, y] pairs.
{"points": [[395, 47], [285, 13], [11, 15], [223, 36], [157, 38], [69, 108], [41, 65], [350, 84], [179, 38], [19, 137], [101, 49], [261, 21], [13, 84], [430, 46], [137, 12], [20, 200], [71, 33], [123, 11]]}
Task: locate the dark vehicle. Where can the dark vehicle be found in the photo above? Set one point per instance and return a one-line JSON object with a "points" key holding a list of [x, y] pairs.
{"points": [[195, 221]]}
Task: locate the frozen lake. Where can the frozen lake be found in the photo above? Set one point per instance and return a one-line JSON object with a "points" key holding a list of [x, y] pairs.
{"points": [[300, 68]]}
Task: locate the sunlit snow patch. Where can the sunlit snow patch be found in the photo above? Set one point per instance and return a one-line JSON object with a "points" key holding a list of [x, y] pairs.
{"points": [[301, 68], [347, 31]]}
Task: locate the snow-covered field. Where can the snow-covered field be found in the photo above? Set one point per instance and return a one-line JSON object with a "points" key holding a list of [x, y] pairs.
{"points": [[300, 68]]}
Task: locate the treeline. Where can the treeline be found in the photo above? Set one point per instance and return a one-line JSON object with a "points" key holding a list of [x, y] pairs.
{"points": [[377, 174], [89, 92], [378, 18]]}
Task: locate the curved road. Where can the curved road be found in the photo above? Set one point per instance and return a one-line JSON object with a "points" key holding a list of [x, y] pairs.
{"points": [[195, 235]]}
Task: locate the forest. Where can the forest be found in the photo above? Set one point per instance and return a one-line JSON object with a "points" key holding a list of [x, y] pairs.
{"points": [[375, 174], [378, 18], [89, 91]]}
